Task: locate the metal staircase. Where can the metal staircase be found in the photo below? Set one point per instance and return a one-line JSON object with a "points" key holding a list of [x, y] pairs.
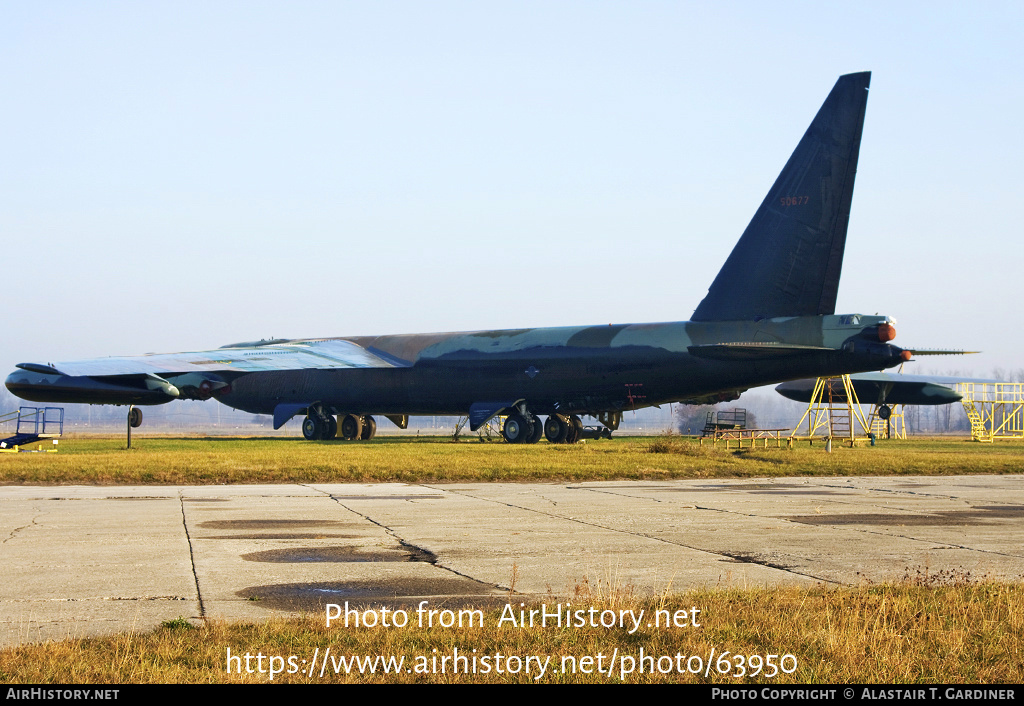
{"points": [[32, 425], [995, 409], [979, 432], [835, 409]]}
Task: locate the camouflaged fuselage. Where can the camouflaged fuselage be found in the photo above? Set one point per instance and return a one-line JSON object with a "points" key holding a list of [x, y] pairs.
{"points": [[585, 369]]}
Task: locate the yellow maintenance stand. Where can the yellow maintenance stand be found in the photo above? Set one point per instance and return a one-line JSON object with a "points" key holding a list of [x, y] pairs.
{"points": [[892, 427], [833, 413], [995, 409]]}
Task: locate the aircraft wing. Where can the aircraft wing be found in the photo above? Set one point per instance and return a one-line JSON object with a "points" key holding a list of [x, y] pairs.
{"points": [[288, 355], [927, 379], [160, 378], [886, 388]]}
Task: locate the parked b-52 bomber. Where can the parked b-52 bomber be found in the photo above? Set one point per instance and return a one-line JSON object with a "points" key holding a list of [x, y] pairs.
{"points": [[769, 316]]}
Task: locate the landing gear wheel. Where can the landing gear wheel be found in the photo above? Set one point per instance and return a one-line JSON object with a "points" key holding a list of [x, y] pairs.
{"points": [[556, 428], [351, 427], [884, 412], [575, 429], [135, 417], [536, 430], [312, 428], [516, 429], [369, 428], [331, 428]]}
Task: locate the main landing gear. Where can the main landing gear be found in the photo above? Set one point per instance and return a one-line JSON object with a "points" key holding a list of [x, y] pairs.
{"points": [[319, 424], [562, 429], [527, 428], [522, 429]]}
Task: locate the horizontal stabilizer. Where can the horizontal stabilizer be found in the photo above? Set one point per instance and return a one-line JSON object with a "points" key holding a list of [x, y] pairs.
{"points": [[788, 260], [907, 377], [753, 350], [880, 388]]}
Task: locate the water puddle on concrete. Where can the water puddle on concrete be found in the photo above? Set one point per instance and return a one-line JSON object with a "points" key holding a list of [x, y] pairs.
{"points": [[823, 491], [754, 486], [274, 524], [387, 497], [1002, 511], [979, 515], [303, 555], [285, 535], [398, 593], [636, 487]]}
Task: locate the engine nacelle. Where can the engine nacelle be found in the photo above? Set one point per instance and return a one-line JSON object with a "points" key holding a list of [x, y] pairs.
{"points": [[29, 382]]}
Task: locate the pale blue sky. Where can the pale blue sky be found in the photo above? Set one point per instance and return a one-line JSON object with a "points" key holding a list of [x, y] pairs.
{"points": [[182, 175]]}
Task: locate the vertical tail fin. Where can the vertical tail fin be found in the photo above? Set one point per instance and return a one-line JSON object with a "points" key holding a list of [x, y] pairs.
{"points": [[788, 260]]}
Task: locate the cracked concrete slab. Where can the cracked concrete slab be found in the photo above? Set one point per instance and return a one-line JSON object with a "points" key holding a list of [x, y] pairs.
{"points": [[85, 561]]}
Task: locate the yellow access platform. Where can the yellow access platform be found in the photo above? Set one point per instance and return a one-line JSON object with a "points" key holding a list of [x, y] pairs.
{"points": [[995, 409]]}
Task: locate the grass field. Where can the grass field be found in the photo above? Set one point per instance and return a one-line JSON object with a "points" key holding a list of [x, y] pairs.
{"points": [[936, 630], [217, 460]]}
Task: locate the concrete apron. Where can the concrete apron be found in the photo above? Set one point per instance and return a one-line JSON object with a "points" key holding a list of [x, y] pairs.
{"points": [[82, 561]]}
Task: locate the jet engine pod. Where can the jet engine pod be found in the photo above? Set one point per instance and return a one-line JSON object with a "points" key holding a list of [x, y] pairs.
{"points": [[29, 383], [199, 386]]}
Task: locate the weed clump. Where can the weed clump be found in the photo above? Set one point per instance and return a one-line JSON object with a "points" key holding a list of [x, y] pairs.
{"points": [[670, 445], [178, 623]]}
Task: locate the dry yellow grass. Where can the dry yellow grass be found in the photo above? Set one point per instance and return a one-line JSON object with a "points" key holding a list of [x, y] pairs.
{"points": [[166, 460], [928, 630]]}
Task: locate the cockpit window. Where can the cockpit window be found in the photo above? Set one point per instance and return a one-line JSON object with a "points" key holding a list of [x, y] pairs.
{"points": [[850, 320]]}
